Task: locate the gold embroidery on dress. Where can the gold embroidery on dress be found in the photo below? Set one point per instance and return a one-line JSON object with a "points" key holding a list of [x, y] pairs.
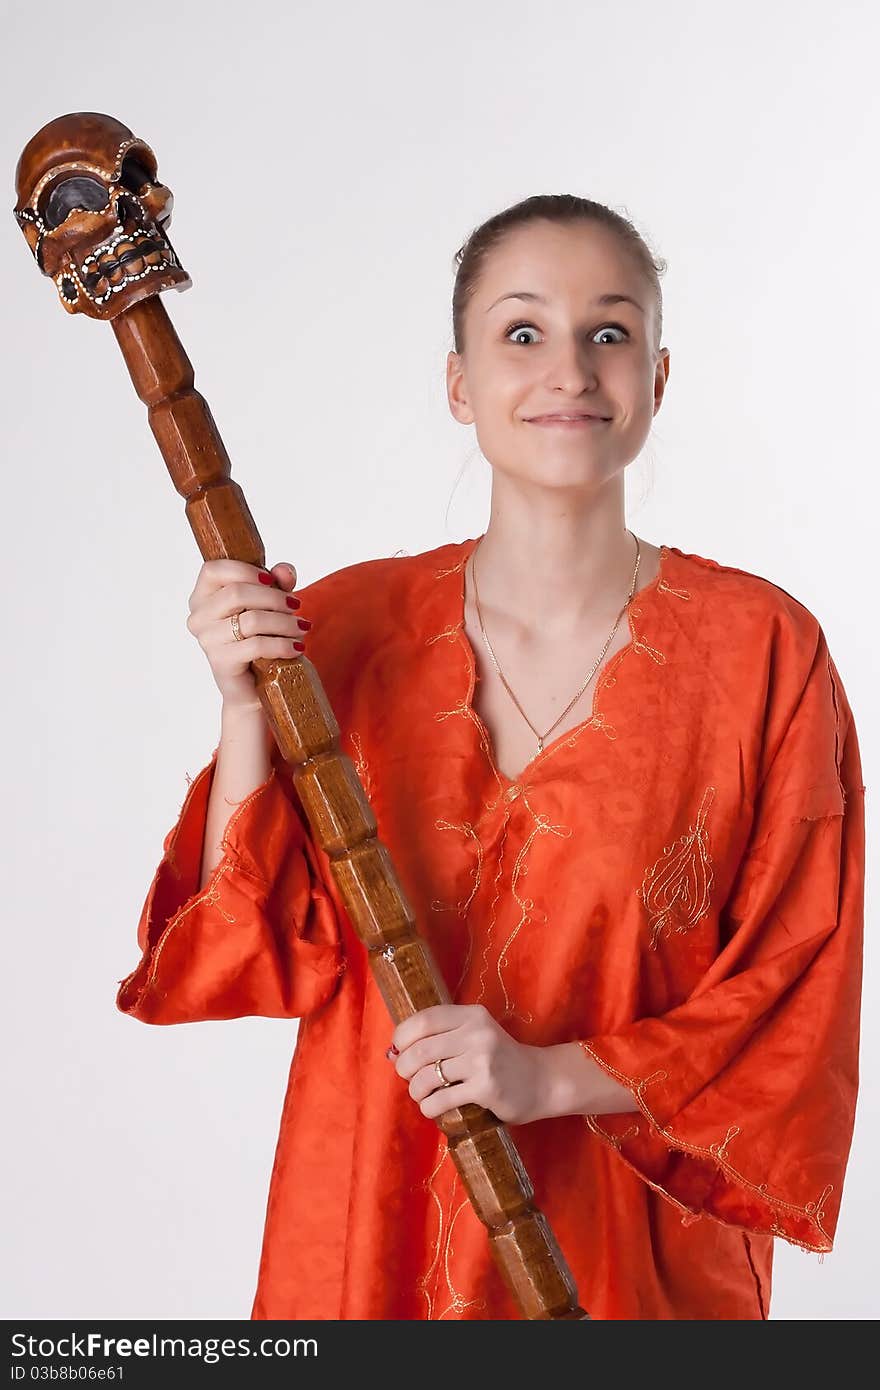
{"points": [[450, 633], [814, 1211], [618, 1139], [689, 1215], [458, 1302], [668, 589], [464, 709], [465, 828], [607, 679], [461, 908], [676, 889], [453, 569], [211, 891], [542, 826], [640, 645], [493, 908], [423, 1280], [360, 763], [719, 1150], [599, 722]]}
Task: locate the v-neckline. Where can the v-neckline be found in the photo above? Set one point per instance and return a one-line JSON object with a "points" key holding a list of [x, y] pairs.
{"points": [[509, 783]]}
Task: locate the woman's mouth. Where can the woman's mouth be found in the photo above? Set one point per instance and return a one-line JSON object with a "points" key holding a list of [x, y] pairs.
{"points": [[568, 422]]}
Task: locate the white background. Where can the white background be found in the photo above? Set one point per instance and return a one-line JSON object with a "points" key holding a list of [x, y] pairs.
{"points": [[327, 162]]}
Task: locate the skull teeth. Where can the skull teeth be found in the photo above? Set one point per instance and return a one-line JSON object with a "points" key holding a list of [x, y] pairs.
{"points": [[115, 276], [120, 243]]}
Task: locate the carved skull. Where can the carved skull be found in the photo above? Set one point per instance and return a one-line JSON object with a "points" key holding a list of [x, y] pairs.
{"points": [[95, 215]]}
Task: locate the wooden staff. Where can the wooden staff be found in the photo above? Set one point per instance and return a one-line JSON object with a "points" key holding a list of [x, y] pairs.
{"points": [[96, 219]]}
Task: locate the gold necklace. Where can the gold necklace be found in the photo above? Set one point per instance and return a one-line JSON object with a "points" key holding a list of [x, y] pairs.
{"points": [[542, 737]]}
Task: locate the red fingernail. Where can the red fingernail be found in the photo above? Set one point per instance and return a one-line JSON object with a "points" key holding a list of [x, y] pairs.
{"points": [[293, 602], [392, 1052], [304, 624], [299, 646], [265, 578]]}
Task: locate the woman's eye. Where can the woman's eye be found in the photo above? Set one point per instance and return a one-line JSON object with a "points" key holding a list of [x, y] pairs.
{"points": [[611, 328], [608, 328], [517, 328]]}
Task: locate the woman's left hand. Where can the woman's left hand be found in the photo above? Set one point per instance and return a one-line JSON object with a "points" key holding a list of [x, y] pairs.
{"points": [[485, 1065]]}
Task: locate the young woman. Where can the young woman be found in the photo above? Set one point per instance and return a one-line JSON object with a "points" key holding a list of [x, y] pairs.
{"points": [[621, 786]]}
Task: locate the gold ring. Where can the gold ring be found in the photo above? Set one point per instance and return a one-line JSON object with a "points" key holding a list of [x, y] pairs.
{"points": [[438, 1067], [236, 630]]}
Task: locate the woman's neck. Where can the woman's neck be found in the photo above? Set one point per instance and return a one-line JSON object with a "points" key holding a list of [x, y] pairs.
{"points": [[555, 576]]}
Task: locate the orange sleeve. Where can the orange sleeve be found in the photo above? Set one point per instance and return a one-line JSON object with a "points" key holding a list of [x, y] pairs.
{"points": [[262, 937], [747, 1090]]}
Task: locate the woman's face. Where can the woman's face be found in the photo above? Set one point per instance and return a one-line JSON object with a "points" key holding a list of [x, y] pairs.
{"points": [[559, 350]]}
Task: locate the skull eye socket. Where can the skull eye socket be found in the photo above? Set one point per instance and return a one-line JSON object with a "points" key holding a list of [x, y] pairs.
{"points": [[134, 174], [127, 211], [79, 193]]}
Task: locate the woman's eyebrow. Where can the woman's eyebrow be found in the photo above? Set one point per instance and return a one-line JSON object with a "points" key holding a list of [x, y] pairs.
{"points": [[540, 298]]}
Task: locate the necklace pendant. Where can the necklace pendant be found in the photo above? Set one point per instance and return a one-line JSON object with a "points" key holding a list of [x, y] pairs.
{"points": [[540, 745]]}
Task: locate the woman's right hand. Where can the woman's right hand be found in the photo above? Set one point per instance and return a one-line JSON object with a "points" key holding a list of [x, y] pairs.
{"points": [[268, 623]]}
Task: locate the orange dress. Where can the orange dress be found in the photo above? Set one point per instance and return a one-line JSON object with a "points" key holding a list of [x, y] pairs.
{"points": [[677, 884]]}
